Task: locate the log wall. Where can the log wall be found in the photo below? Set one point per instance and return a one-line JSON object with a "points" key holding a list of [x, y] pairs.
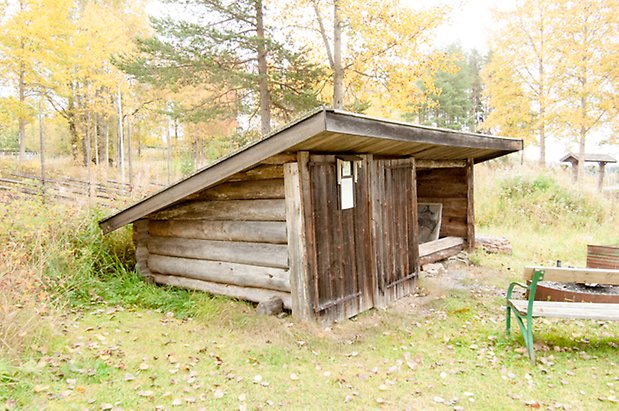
{"points": [[229, 239], [448, 186]]}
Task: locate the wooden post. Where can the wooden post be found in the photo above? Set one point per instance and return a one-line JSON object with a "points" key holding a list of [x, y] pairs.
{"points": [[574, 171], [307, 209], [601, 176], [470, 204], [300, 281]]}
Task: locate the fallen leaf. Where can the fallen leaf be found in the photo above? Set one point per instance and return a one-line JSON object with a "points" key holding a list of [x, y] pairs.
{"points": [[532, 404], [40, 388]]}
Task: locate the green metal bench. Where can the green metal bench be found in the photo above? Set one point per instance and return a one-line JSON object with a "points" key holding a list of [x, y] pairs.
{"points": [[525, 310]]}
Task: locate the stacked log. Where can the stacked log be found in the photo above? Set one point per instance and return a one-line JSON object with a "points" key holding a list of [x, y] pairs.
{"points": [[229, 239]]}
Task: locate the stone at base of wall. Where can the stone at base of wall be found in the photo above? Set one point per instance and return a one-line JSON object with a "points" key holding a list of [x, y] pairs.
{"points": [[272, 306]]}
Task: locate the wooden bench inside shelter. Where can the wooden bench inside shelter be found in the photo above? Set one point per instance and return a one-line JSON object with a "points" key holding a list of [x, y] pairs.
{"points": [[525, 310]]}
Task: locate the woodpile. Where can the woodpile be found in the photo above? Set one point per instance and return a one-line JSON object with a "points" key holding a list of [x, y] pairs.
{"points": [[493, 244]]}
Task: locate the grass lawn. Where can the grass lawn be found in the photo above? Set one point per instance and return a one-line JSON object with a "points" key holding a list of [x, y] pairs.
{"points": [[442, 349]]}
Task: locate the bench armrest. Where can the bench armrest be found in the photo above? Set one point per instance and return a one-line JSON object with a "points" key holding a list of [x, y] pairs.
{"points": [[510, 289]]}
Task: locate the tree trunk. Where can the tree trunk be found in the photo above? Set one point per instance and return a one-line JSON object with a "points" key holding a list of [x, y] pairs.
{"points": [[121, 148], [583, 136], [96, 138], [22, 120], [88, 156], [338, 69], [107, 143], [129, 162], [542, 143], [263, 75], [74, 134], [42, 152], [169, 152]]}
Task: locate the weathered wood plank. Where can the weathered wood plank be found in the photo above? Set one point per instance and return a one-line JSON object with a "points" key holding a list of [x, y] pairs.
{"points": [[251, 231], [453, 227], [440, 249], [441, 255], [243, 293], [220, 272], [345, 123], [582, 311], [261, 172], [575, 275], [140, 239], [430, 247], [243, 190], [300, 279], [452, 206], [470, 207], [422, 164], [280, 159], [309, 223], [441, 188], [259, 254], [246, 210], [364, 242]]}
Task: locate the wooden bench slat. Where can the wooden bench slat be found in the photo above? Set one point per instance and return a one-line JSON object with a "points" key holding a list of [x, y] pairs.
{"points": [[575, 275], [583, 311]]}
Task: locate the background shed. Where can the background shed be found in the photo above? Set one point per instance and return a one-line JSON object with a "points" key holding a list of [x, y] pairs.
{"points": [[322, 213]]}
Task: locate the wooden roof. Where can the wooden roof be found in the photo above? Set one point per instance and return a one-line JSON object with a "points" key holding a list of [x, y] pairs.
{"points": [[589, 158], [327, 131]]}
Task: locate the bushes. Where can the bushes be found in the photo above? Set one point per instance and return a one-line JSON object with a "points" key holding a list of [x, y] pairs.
{"points": [[538, 202], [55, 255]]}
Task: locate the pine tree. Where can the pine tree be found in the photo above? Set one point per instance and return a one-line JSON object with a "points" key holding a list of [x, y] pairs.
{"points": [[229, 50]]}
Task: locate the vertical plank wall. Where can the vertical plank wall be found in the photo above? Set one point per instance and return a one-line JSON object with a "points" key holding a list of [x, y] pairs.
{"points": [[229, 239], [394, 229], [340, 266]]}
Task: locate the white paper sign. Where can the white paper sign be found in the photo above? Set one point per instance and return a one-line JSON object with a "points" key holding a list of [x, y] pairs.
{"points": [[347, 193]]}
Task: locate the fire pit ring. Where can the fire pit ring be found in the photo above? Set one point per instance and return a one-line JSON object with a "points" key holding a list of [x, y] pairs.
{"points": [[572, 292]]}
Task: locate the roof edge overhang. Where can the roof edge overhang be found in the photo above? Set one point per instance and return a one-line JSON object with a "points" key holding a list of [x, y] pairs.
{"points": [[303, 128]]}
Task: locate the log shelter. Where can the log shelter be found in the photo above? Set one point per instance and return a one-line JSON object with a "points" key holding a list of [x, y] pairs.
{"points": [[322, 213]]}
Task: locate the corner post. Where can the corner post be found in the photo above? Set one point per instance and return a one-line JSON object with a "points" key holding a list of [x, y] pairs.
{"points": [[470, 204]]}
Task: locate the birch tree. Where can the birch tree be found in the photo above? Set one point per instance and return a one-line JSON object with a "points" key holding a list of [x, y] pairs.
{"points": [[588, 70], [377, 51], [520, 80]]}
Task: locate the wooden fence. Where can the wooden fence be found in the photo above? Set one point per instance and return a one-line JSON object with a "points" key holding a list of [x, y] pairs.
{"points": [[108, 192]]}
